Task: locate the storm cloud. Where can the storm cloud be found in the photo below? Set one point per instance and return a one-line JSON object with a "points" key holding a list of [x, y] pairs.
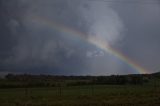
{"points": [[28, 46]]}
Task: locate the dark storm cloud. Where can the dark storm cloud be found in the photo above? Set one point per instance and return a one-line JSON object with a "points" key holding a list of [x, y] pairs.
{"points": [[6, 38], [36, 48], [28, 47]]}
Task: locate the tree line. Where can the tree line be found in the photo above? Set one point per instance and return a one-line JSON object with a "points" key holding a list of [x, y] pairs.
{"points": [[27, 80]]}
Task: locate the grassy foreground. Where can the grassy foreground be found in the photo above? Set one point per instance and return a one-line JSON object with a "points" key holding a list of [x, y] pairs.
{"points": [[90, 95]]}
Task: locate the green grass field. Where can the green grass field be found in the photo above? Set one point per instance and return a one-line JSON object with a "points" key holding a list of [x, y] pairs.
{"points": [[91, 95]]}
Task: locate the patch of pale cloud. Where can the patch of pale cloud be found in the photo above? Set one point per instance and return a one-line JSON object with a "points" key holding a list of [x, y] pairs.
{"points": [[93, 54], [105, 24]]}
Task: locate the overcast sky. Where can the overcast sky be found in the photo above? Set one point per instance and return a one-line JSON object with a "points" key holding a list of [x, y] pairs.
{"points": [[29, 46]]}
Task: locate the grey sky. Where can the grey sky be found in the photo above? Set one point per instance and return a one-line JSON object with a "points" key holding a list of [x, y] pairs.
{"points": [[28, 46]]}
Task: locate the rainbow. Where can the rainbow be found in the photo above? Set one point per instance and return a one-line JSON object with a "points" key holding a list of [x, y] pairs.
{"points": [[70, 32]]}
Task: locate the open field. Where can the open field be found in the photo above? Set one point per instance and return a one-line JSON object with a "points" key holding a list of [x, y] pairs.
{"points": [[90, 95]]}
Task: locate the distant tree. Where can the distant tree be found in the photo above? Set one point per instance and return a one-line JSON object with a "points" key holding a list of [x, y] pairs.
{"points": [[9, 76]]}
